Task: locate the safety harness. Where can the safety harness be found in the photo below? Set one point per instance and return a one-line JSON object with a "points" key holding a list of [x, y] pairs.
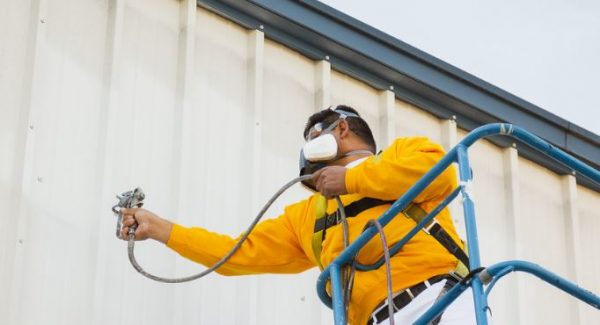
{"points": [[413, 211]]}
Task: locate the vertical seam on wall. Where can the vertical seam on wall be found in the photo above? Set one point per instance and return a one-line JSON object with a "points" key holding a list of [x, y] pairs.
{"points": [[183, 106], [569, 185], [449, 139], [255, 88], [323, 85], [322, 101], [512, 193], [449, 134], [387, 117], [105, 136]]}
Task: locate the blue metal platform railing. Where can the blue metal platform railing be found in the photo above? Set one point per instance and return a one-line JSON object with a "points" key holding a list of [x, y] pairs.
{"points": [[481, 276]]}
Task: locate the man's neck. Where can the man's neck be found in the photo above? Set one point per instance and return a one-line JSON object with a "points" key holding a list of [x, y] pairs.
{"points": [[348, 159]]}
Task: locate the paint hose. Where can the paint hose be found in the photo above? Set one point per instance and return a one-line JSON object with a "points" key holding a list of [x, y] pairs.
{"points": [[135, 199], [131, 234]]}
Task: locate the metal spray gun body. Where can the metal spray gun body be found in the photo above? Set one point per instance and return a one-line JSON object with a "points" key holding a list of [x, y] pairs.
{"points": [[128, 200]]}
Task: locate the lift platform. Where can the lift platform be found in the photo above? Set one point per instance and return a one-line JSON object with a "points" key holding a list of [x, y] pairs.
{"points": [[479, 277]]}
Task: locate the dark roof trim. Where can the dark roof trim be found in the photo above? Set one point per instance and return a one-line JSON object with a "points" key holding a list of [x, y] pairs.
{"points": [[319, 31]]}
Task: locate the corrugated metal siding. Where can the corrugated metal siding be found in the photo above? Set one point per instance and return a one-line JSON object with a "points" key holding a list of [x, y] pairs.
{"points": [[542, 204], [100, 96], [495, 233]]}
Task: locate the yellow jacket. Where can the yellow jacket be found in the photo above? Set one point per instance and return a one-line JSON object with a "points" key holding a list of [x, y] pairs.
{"points": [[284, 244]]}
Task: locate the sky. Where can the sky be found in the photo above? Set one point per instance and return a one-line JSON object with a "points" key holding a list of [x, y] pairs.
{"points": [[546, 52]]}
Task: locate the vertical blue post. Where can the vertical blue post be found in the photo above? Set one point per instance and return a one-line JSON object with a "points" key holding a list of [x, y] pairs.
{"points": [[339, 308], [480, 300]]}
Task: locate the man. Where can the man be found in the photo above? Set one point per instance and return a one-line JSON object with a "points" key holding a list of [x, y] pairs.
{"points": [[342, 145]]}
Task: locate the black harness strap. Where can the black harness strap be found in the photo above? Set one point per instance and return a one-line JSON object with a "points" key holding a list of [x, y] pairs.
{"points": [[436, 230], [444, 238], [325, 221], [352, 210]]}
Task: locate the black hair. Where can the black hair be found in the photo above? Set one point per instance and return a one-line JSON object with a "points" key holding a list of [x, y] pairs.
{"points": [[356, 124]]}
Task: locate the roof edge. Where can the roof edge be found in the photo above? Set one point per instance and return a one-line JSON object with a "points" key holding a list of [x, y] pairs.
{"points": [[429, 59], [357, 49]]}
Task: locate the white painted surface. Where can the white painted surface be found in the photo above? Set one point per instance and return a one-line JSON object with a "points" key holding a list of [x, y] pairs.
{"points": [[495, 235], [348, 91], [323, 85], [589, 232], [387, 117], [412, 121], [97, 97]]}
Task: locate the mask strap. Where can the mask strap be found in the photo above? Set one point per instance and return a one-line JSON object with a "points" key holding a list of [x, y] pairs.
{"points": [[343, 112]]}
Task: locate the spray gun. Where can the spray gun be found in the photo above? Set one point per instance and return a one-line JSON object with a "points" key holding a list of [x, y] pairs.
{"points": [[128, 200]]}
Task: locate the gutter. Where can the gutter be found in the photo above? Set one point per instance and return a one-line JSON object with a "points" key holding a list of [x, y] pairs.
{"points": [[365, 53]]}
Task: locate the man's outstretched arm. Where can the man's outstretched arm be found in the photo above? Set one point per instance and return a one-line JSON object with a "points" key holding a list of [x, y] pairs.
{"points": [[272, 247]]}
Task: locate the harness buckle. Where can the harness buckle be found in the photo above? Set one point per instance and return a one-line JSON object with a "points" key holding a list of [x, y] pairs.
{"points": [[455, 276], [427, 228]]}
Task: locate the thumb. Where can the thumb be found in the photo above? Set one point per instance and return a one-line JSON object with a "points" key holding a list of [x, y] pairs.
{"points": [[317, 174]]}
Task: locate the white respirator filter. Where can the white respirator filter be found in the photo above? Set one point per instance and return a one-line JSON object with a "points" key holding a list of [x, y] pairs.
{"points": [[321, 148]]}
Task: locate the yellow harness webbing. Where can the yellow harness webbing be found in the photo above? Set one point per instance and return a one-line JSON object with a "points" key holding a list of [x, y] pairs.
{"points": [[324, 221]]}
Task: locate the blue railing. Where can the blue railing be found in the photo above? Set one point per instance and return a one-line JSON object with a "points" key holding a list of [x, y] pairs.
{"points": [[488, 276]]}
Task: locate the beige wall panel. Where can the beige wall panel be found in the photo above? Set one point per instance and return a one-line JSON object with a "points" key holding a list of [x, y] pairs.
{"points": [[542, 217], [139, 152], [289, 91], [57, 233], [412, 121], [346, 90], [54, 266], [220, 125], [488, 191], [14, 37], [588, 202], [289, 96], [214, 186], [489, 196], [456, 208]]}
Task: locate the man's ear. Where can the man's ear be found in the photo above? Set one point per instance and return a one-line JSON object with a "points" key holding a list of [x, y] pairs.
{"points": [[344, 129]]}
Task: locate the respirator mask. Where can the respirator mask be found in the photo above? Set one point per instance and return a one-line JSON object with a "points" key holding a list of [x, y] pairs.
{"points": [[321, 147]]}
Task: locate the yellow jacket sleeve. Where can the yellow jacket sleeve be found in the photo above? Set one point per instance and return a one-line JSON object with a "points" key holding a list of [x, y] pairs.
{"points": [[388, 175], [272, 247]]}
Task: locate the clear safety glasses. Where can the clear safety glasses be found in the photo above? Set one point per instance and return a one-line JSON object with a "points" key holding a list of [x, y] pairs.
{"points": [[317, 129]]}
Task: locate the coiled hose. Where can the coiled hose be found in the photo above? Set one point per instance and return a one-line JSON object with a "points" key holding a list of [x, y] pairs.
{"points": [[388, 267]]}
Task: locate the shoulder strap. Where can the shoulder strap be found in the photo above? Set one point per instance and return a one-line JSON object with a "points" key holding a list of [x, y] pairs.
{"points": [[325, 221]]}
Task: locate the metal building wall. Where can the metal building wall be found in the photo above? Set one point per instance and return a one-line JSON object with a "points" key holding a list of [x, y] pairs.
{"points": [[99, 96]]}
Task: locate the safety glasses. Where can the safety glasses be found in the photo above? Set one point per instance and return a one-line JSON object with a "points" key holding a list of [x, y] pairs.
{"points": [[319, 128]]}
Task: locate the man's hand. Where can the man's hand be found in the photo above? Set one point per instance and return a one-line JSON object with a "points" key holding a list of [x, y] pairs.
{"points": [[331, 181], [149, 225]]}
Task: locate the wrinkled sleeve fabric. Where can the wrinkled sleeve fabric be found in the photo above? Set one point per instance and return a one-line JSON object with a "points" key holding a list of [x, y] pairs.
{"points": [[272, 247], [388, 175]]}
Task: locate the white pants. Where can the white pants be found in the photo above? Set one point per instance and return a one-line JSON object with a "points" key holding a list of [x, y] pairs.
{"points": [[460, 312]]}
